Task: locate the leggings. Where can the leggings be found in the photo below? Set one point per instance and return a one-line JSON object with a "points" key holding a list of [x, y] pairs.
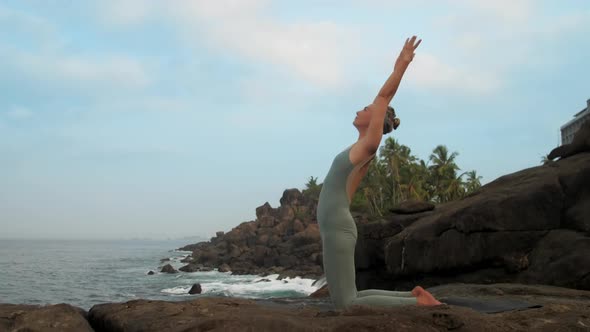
{"points": [[338, 256]]}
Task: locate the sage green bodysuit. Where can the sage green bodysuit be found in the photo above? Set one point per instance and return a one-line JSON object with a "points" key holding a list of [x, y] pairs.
{"points": [[339, 234]]}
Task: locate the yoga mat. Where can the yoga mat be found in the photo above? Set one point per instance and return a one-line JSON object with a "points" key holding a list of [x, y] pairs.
{"points": [[489, 306]]}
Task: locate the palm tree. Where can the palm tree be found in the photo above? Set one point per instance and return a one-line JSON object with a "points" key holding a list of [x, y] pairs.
{"points": [[444, 172], [473, 182], [399, 161]]}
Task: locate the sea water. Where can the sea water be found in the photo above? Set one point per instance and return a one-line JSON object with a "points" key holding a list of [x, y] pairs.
{"points": [[85, 273]]}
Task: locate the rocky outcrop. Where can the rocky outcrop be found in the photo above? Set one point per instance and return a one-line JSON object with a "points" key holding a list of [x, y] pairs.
{"points": [[168, 269], [532, 226], [195, 268], [284, 240], [413, 206], [50, 318]]}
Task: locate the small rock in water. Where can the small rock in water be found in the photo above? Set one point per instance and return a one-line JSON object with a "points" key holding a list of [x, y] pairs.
{"points": [[264, 280], [164, 260], [151, 273], [196, 289], [168, 269], [223, 268]]}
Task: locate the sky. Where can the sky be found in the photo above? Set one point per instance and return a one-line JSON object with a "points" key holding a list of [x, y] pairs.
{"points": [[164, 119]]}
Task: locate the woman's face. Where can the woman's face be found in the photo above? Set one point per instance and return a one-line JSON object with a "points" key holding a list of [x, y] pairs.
{"points": [[363, 117]]}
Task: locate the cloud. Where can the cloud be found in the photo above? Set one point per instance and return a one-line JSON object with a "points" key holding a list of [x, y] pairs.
{"points": [[513, 11], [127, 12], [314, 51], [36, 61], [24, 27], [111, 71], [19, 112], [430, 72]]}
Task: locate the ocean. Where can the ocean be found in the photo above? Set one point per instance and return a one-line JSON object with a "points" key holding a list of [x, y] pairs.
{"points": [[85, 273]]}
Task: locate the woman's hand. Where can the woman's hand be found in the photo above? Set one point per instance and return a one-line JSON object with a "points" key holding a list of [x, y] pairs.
{"points": [[407, 53]]}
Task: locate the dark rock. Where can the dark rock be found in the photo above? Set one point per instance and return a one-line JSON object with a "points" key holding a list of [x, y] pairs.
{"points": [[298, 226], [151, 273], [530, 226], [219, 234], [168, 269], [193, 247], [263, 280], [187, 259], [287, 260], [196, 289], [191, 268], [291, 197], [267, 221], [413, 206], [223, 268], [50, 318], [164, 260], [263, 210]]}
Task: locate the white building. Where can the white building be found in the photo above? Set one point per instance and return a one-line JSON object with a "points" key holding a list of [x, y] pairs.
{"points": [[569, 129]]}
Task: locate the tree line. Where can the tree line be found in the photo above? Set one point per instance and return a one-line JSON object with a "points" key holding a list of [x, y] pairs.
{"points": [[396, 175]]}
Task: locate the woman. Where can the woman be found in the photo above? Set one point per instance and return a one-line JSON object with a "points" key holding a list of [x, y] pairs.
{"points": [[337, 227]]}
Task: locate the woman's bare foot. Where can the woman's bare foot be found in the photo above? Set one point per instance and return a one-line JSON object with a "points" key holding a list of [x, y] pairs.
{"points": [[417, 291], [424, 297]]}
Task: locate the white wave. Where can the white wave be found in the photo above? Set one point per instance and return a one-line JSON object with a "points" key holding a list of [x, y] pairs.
{"points": [[248, 286], [261, 289], [178, 290]]}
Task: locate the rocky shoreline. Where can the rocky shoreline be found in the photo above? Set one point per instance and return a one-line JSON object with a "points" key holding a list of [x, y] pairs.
{"points": [[551, 309]]}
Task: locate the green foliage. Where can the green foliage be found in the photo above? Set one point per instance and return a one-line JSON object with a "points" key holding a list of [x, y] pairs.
{"points": [[396, 175], [312, 189]]}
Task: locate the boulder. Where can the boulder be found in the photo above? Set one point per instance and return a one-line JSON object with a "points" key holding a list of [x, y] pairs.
{"points": [[264, 210], [50, 318], [530, 226], [413, 206], [291, 197], [168, 269], [195, 289]]}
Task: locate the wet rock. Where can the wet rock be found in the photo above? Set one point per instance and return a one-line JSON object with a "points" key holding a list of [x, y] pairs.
{"points": [[168, 269], [195, 289], [50, 318]]}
